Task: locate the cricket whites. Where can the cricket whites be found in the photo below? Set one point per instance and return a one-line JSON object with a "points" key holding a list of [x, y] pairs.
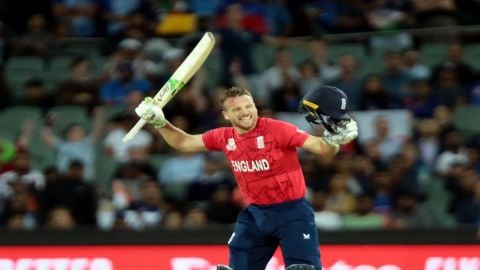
{"points": [[179, 78]]}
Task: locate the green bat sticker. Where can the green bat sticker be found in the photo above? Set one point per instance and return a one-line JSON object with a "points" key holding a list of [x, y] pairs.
{"points": [[173, 86]]}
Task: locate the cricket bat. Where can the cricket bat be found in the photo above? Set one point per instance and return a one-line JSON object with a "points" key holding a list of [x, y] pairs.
{"points": [[179, 78]]}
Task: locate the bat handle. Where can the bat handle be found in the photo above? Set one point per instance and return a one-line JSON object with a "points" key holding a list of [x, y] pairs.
{"points": [[134, 130]]}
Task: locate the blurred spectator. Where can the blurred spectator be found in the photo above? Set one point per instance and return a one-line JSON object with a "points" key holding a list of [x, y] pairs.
{"points": [[77, 16], [130, 176], [363, 168], [350, 17], [364, 217], [137, 164], [126, 186], [73, 193], [76, 144], [35, 94], [137, 27], [383, 200], [213, 175], [467, 210], [323, 15], [146, 211], [409, 213], [106, 215], [421, 102], [317, 172], [20, 210], [173, 169], [349, 81], [444, 117], [220, 208], [21, 171], [115, 13], [129, 51], [340, 199], [299, 23], [394, 77], [405, 168], [132, 100], [389, 145], [195, 218], [462, 184], [428, 142], [38, 41], [454, 61], [342, 165], [60, 218], [173, 221], [114, 91], [206, 10], [82, 88], [453, 153], [431, 13], [413, 67], [374, 95], [328, 71], [381, 15], [283, 75], [280, 19], [24, 9], [51, 174], [309, 80], [113, 144], [448, 89], [236, 39], [324, 219], [287, 97]]}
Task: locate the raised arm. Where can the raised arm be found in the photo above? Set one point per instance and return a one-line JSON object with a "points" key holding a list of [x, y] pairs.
{"points": [[180, 140], [319, 146], [175, 137]]}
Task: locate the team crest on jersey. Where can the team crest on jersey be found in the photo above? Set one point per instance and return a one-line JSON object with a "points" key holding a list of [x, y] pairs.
{"points": [[231, 146], [260, 142]]}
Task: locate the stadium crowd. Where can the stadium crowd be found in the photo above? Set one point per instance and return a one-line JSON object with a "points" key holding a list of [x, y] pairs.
{"points": [[415, 169]]}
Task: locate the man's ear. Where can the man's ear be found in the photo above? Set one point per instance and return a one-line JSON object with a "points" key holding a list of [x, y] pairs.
{"points": [[225, 115]]}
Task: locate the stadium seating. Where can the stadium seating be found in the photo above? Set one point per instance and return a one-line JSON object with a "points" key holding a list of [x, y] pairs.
{"points": [[465, 119]]}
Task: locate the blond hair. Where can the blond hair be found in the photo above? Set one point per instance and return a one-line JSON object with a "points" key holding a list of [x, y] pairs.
{"points": [[234, 91]]}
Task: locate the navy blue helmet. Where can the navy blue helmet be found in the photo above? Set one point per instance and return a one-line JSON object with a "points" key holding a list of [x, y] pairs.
{"points": [[325, 106]]}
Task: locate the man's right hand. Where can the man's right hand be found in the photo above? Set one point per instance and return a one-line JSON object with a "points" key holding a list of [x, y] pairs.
{"points": [[149, 111]]}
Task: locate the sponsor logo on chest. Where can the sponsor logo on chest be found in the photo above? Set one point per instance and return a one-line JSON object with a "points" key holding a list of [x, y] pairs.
{"points": [[232, 146]]}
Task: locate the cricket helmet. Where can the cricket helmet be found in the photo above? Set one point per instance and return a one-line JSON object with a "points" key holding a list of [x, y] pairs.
{"points": [[326, 106]]}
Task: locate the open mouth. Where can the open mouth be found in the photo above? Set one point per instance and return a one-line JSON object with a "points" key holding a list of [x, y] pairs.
{"points": [[246, 119]]}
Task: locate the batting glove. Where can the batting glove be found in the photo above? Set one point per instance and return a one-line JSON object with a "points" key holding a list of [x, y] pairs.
{"points": [[346, 133], [149, 111]]}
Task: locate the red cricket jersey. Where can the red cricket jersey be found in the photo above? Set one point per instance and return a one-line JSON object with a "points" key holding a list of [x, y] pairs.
{"points": [[264, 160]]}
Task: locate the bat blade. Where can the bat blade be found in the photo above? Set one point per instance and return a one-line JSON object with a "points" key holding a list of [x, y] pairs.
{"points": [[179, 78]]}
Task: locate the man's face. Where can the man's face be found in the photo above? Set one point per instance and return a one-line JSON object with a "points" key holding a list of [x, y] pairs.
{"points": [[241, 112]]}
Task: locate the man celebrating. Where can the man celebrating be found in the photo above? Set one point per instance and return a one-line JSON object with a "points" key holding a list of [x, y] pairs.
{"points": [[263, 157]]}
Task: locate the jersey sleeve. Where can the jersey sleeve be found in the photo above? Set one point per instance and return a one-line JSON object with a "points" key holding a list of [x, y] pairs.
{"points": [[290, 135], [213, 139]]}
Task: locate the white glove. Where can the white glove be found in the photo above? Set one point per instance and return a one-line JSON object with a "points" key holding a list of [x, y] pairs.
{"points": [[346, 133], [149, 111]]}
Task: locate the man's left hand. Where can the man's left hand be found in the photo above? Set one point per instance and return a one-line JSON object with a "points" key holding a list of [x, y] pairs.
{"points": [[346, 133]]}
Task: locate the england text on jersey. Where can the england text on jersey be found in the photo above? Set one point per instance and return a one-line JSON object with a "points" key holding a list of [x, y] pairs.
{"points": [[250, 165]]}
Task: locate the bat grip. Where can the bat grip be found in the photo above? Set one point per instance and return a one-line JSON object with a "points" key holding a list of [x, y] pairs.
{"points": [[134, 130]]}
